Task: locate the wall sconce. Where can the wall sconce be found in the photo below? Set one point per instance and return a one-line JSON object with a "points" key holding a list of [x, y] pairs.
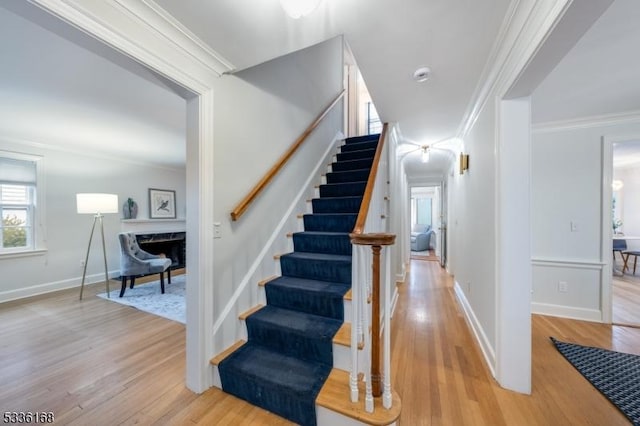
{"points": [[617, 185], [426, 154], [464, 162]]}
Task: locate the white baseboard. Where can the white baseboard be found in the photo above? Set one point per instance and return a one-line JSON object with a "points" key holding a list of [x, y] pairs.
{"points": [[583, 314], [21, 293], [394, 299], [485, 346]]}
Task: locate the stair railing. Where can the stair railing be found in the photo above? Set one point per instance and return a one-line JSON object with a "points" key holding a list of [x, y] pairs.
{"points": [[370, 241], [273, 171]]}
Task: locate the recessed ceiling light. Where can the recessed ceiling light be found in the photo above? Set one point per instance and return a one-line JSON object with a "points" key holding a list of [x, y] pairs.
{"points": [[422, 74]]}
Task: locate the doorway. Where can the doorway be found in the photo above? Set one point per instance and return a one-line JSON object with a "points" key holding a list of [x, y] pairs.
{"points": [[426, 222], [624, 208]]}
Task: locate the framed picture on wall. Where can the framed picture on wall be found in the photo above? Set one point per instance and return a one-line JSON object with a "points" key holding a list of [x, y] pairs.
{"points": [[162, 204]]}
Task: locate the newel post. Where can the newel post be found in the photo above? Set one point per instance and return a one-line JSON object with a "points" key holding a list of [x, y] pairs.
{"points": [[376, 241]]}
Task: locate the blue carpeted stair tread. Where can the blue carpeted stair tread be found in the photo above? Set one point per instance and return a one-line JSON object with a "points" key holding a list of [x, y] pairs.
{"points": [[356, 155], [350, 204], [317, 297], [342, 189], [348, 176], [359, 146], [279, 383], [361, 163], [317, 266], [302, 335], [322, 242], [330, 222], [364, 138]]}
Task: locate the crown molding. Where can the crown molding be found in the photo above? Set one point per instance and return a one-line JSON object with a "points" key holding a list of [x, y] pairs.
{"points": [[602, 120], [161, 21], [524, 29], [147, 33]]}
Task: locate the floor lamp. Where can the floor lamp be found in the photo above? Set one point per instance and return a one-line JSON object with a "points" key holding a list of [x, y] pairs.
{"points": [[97, 205]]}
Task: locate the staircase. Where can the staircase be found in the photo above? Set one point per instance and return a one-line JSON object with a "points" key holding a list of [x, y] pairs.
{"points": [[289, 354]]}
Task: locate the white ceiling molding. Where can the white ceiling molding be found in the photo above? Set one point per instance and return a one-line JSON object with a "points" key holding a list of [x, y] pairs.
{"points": [[174, 32], [587, 122], [19, 142], [514, 46], [197, 68]]}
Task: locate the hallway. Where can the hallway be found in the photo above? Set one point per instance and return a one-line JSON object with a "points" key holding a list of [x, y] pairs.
{"points": [[442, 379]]}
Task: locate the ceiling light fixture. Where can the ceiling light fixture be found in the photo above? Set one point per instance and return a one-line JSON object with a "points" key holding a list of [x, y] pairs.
{"points": [[426, 154], [299, 8], [422, 74]]}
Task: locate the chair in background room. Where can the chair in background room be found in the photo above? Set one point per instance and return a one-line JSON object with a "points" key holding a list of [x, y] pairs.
{"points": [[135, 262], [420, 237], [619, 246]]}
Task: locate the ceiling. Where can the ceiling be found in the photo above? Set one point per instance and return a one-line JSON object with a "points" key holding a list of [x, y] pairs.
{"points": [[389, 42], [600, 75]]}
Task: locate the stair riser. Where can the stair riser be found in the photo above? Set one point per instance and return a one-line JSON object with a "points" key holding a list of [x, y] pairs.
{"points": [[326, 416], [351, 176], [360, 146], [342, 166], [330, 223], [308, 348], [331, 306], [343, 189], [364, 138], [342, 358], [330, 244], [356, 155], [262, 299], [337, 271], [336, 205], [264, 395]]}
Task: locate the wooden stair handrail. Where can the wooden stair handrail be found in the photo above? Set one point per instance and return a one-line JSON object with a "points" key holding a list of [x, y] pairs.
{"points": [[246, 201], [368, 192]]}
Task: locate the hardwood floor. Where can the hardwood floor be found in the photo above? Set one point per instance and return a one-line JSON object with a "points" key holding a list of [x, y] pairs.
{"points": [[97, 362]]}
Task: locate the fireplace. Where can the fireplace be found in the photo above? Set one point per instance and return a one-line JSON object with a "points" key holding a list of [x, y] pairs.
{"points": [[171, 244]]}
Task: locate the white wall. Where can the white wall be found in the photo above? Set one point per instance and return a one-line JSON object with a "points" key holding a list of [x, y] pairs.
{"points": [[259, 113], [472, 224], [66, 232], [566, 189]]}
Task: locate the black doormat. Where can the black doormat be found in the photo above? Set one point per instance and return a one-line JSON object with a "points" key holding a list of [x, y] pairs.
{"points": [[615, 374]]}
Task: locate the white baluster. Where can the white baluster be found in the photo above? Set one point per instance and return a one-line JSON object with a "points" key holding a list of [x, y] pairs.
{"points": [[386, 396], [368, 400], [356, 278]]}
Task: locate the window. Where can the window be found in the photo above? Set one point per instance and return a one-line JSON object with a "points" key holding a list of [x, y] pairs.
{"points": [[17, 203]]}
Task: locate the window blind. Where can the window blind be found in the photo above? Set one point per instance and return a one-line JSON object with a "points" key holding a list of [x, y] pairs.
{"points": [[17, 172]]}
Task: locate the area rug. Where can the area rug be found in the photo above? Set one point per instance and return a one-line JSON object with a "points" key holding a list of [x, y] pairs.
{"points": [[147, 297], [615, 374], [424, 255]]}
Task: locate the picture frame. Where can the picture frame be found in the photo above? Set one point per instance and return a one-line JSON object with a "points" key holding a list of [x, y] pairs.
{"points": [[162, 203]]}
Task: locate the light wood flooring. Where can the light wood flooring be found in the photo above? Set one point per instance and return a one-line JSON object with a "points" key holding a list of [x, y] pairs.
{"points": [[101, 363]]}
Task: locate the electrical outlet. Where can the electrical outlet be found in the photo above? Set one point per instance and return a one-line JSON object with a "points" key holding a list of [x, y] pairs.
{"points": [[562, 286], [574, 226], [81, 262], [217, 233]]}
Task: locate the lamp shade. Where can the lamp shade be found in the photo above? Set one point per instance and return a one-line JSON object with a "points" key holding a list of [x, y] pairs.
{"points": [[97, 203]]}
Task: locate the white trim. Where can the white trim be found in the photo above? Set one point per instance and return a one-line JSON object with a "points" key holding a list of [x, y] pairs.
{"points": [[606, 231], [84, 153], [394, 300], [35, 290], [231, 304], [569, 263], [23, 253], [603, 120], [570, 312], [174, 32], [476, 327]]}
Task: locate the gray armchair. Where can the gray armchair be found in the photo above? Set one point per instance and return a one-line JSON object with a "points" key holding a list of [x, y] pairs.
{"points": [[420, 237], [135, 262]]}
